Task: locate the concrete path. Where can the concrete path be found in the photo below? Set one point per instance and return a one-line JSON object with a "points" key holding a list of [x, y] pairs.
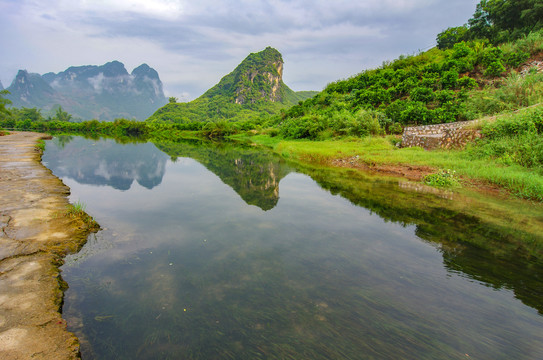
{"points": [[35, 234]]}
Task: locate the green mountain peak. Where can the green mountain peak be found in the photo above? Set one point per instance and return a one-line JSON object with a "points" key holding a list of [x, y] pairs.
{"points": [[255, 87], [258, 77]]}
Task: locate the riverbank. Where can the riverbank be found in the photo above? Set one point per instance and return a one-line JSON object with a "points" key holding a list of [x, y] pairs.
{"points": [[380, 155], [35, 235]]}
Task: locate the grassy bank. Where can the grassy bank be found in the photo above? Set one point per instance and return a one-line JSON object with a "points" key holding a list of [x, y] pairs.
{"points": [[509, 155]]}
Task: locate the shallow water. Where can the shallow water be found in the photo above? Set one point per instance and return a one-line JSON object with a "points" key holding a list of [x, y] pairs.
{"points": [[212, 251]]}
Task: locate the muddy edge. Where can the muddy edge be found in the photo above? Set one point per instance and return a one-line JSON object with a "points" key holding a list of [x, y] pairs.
{"points": [[35, 235]]}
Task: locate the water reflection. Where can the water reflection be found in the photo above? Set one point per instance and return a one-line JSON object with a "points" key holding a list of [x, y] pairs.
{"points": [[105, 162], [502, 248], [253, 173], [188, 270]]}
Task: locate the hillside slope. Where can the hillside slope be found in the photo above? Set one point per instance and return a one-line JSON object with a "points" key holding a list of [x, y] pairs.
{"points": [[255, 88]]}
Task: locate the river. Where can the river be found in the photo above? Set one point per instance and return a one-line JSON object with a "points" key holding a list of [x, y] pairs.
{"points": [[220, 251]]}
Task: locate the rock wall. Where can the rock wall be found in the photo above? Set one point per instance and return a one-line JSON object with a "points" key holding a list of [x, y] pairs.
{"points": [[445, 136]]}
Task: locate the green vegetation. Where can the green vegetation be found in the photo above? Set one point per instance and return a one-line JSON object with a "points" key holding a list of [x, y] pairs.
{"points": [[437, 86], [249, 94], [443, 178], [481, 69], [77, 210], [509, 155], [513, 140], [4, 102], [40, 146], [498, 21]]}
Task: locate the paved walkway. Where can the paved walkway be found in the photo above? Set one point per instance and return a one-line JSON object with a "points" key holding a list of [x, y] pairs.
{"points": [[34, 236]]}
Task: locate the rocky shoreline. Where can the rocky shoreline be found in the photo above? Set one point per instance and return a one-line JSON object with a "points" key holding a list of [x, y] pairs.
{"points": [[35, 235]]}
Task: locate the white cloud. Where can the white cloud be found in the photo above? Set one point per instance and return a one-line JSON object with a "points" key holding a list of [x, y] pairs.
{"points": [[192, 44]]}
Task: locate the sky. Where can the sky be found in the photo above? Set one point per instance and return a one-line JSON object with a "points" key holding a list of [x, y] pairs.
{"points": [[194, 43]]}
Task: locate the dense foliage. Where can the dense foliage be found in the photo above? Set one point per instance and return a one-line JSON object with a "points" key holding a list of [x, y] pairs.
{"points": [[498, 21], [515, 139], [4, 102], [437, 86]]}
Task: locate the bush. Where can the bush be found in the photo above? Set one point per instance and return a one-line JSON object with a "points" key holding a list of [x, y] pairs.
{"points": [[465, 82], [308, 126], [515, 59], [443, 178], [490, 55], [422, 94], [416, 113], [494, 69], [449, 79], [395, 128]]}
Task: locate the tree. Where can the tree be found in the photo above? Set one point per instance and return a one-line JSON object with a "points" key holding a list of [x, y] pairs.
{"points": [[3, 103], [446, 39], [172, 99], [500, 20], [31, 114], [62, 115]]}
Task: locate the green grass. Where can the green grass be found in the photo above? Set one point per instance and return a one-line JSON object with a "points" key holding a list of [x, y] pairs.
{"points": [[517, 179], [76, 209], [40, 146]]}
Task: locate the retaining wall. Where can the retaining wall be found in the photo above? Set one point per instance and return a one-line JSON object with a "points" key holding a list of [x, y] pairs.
{"points": [[446, 136]]}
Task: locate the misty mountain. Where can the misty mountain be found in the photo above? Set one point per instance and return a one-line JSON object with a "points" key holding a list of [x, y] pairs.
{"points": [[102, 92]]}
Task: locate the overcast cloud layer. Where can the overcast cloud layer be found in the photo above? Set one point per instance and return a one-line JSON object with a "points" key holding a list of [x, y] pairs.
{"points": [[192, 44]]}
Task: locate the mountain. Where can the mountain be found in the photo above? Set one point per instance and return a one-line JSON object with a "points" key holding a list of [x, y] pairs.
{"points": [[1, 86], [254, 88], [101, 92], [29, 88]]}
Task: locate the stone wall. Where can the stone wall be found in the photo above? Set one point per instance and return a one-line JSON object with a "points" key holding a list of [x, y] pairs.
{"points": [[445, 136]]}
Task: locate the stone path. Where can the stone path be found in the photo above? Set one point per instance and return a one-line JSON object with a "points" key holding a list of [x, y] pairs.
{"points": [[34, 236]]}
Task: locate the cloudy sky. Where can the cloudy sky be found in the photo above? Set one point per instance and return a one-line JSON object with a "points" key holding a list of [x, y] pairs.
{"points": [[193, 43]]}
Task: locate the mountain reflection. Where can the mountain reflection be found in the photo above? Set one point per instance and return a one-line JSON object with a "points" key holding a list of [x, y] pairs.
{"points": [[105, 162], [253, 173]]}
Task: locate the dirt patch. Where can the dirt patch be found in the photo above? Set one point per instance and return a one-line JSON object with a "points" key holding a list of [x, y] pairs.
{"points": [[34, 237], [411, 172]]}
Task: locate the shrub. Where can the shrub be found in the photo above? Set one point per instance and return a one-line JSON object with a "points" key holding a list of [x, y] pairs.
{"points": [[514, 59], [422, 94], [395, 128], [443, 178], [494, 69], [449, 79], [490, 55], [465, 82], [416, 113]]}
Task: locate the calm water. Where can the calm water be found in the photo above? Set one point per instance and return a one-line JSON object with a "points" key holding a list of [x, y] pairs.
{"points": [[221, 252]]}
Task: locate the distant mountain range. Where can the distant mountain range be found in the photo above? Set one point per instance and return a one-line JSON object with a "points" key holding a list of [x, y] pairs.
{"points": [[89, 92], [253, 89]]}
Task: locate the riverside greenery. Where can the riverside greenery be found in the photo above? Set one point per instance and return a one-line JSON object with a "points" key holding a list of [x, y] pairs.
{"points": [[469, 78]]}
